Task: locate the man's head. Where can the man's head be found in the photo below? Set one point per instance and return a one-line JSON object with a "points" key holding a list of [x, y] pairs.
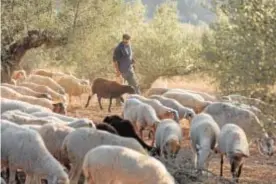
{"points": [[126, 38]]}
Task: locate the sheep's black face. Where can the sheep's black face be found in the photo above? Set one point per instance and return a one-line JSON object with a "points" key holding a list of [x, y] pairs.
{"points": [[59, 108], [131, 90], [109, 119]]}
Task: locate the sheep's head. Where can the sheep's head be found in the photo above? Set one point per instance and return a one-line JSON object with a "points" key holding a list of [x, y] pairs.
{"points": [[109, 119], [129, 89], [20, 74], [266, 146], [172, 147], [59, 107], [189, 115]]}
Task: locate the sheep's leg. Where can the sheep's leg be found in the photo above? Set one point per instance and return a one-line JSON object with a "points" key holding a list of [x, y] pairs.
{"points": [[28, 179], [239, 172], [100, 103], [221, 165], [88, 100], [110, 103], [75, 174], [122, 99], [195, 160], [233, 171], [12, 176]]}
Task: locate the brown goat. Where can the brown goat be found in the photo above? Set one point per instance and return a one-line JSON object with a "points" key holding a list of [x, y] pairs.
{"points": [[108, 89]]}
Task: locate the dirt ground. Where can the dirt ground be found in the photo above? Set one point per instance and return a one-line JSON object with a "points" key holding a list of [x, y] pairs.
{"points": [[257, 169]]}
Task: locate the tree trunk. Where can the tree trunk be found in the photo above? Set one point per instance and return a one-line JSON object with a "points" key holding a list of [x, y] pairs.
{"points": [[11, 55]]}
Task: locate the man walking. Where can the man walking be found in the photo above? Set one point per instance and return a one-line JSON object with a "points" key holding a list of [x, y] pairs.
{"points": [[123, 62]]}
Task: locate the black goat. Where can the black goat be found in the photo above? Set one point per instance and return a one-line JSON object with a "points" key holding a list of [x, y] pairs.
{"points": [[126, 129], [106, 127]]}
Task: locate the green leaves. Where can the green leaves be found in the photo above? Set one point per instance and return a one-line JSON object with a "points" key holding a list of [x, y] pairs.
{"points": [[243, 44]]}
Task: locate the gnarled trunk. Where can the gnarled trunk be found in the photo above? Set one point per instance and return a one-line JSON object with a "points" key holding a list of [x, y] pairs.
{"points": [[11, 55]]}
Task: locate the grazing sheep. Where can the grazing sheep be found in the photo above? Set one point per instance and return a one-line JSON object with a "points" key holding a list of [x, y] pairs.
{"points": [[53, 135], [73, 86], [24, 148], [163, 112], [9, 93], [31, 126], [183, 112], [42, 72], [126, 129], [168, 138], [44, 89], [106, 127], [27, 91], [64, 118], [204, 132], [232, 141], [224, 113], [141, 115], [8, 105], [108, 89], [196, 102], [22, 118], [79, 142], [83, 122], [117, 164], [161, 91], [46, 81], [157, 91], [205, 96]]}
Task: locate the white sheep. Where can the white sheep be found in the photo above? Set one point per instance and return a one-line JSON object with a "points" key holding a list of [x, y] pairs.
{"points": [[27, 91], [44, 89], [9, 93], [31, 126], [232, 141], [53, 135], [183, 112], [22, 118], [24, 148], [224, 113], [117, 164], [8, 105], [168, 138], [194, 101], [46, 81], [60, 116], [204, 132], [205, 96], [163, 112], [141, 115], [157, 91], [73, 86], [79, 142]]}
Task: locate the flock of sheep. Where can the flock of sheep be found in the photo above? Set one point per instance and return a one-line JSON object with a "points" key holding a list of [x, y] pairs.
{"points": [[39, 138]]}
